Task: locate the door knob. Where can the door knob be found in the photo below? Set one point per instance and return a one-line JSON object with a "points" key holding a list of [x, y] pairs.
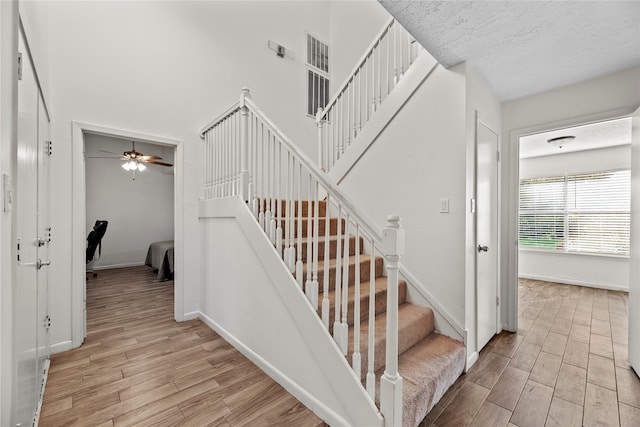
{"points": [[483, 248], [40, 264]]}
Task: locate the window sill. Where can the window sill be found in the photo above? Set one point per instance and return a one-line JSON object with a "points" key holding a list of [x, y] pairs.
{"points": [[579, 254]]}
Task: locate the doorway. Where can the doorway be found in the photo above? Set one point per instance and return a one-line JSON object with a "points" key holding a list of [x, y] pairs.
{"points": [[82, 131]]}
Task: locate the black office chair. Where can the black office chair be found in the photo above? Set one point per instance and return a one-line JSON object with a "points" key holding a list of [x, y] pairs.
{"points": [[94, 241]]}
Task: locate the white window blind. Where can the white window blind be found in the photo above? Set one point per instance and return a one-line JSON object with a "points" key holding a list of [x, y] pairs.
{"points": [[586, 213], [317, 75]]}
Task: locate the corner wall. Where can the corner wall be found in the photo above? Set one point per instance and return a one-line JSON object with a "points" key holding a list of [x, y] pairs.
{"points": [[602, 98]]}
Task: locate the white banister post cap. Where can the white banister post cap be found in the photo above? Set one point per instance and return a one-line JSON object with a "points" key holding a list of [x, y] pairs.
{"points": [[393, 237], [244, 94], [319, 115]]}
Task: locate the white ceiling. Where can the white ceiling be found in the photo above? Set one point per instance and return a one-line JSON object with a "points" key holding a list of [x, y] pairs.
{"points": [[526, 47], [588, 137]]}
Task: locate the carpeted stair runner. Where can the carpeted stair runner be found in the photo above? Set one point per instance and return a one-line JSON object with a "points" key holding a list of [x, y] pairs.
{"points": [[429, 363]]}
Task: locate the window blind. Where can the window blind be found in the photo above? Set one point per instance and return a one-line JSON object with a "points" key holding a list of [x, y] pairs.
{"points": [[584, 213]]}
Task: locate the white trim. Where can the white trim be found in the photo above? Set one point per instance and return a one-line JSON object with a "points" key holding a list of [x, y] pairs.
{"points": [[107, 267], [291, 386], [78, 220], [61, 346], [513, 195], [566, 281], [191, 315], [47, 364]]}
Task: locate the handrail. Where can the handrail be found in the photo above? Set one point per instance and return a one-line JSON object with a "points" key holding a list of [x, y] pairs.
{"points": [[317, 174], [359, 64], [226, 113]]}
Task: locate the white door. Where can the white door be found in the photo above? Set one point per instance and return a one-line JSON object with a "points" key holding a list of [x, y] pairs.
{"points": [[486, 234], [634, 283], [26, 212]]}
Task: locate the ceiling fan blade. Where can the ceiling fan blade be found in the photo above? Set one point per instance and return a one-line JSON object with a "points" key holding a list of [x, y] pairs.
{"points": [[110, 152], [104, 157], [154, 162], [145, 158]]}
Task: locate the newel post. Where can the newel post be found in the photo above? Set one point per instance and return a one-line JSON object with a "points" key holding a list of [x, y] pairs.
{"points": [[320, 123], [244, 145], [391, 381]]}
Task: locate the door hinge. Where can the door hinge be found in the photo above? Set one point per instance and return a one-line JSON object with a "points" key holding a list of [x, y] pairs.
{"points": [[47, 235], [49, 147], [19, 65], [47, 322], [497, 155], [18, 249], [497, 301]]}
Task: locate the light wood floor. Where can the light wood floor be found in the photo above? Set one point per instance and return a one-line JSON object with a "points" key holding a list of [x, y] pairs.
{"points": [[139, 367], [566, 366]]}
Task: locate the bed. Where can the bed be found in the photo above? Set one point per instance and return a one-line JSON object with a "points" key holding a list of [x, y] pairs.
{"points": [[160, 257]]}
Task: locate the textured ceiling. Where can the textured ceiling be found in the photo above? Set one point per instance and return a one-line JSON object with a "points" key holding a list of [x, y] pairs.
{"points": [[526, 47], [587, 137]]}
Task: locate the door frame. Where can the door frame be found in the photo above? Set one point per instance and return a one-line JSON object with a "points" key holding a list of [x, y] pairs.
{"points": [[78, 220], [511, 292], [492, 128]]}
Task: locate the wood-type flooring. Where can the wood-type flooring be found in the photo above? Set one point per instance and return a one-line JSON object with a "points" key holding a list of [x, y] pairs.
{"points": [[139, 367], [566, 366]]}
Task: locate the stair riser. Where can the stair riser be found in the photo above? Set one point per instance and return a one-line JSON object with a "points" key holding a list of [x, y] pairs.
{"points": [[333, 244], [333, 227], [380, 305], [304, 207], [364, 273]]}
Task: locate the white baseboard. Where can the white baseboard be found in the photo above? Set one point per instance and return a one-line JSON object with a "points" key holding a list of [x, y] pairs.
{"points": [[107, 267], [47, 364], [471, 360], [61, 346], [291, 386], [192, 315], [565, 281]]}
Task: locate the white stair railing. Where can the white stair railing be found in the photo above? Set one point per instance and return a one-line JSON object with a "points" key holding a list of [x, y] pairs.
{"points": [[248, 156], [376, 74]]}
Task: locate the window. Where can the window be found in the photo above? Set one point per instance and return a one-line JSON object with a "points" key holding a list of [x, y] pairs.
{"points": [[317, 75], [585, 213]]}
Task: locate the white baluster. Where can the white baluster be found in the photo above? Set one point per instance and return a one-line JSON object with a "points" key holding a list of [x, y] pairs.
{"points": [[287, 214], [336, 323], [272, 178], [307, 284], [316, 219], [299, 263], [391, 381], [356, 360], [278, 177], [371, 334], [344, 325], [327, 247], [268, 169], [254, 177], [262, 182]]}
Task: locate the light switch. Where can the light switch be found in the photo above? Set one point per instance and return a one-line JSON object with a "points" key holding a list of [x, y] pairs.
{"points": [[444, 205]]}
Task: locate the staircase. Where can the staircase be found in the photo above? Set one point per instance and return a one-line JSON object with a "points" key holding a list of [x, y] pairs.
{"points": [[347, 269], [428, 362]]}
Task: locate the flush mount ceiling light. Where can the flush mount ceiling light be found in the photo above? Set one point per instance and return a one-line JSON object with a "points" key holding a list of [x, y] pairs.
{"points": [[560, 141]]}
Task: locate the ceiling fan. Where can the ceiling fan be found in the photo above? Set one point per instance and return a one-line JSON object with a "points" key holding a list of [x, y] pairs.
{"points": [[134, 160]]}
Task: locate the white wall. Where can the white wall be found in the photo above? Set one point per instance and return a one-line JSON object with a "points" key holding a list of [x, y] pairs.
{"points": [[139, 211], [353, 26], [418, 159], [587, 270], [598, 99], [167, 68]]}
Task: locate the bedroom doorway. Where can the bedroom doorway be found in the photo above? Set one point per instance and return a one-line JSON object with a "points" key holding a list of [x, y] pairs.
{"points": [[138, 196]]}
